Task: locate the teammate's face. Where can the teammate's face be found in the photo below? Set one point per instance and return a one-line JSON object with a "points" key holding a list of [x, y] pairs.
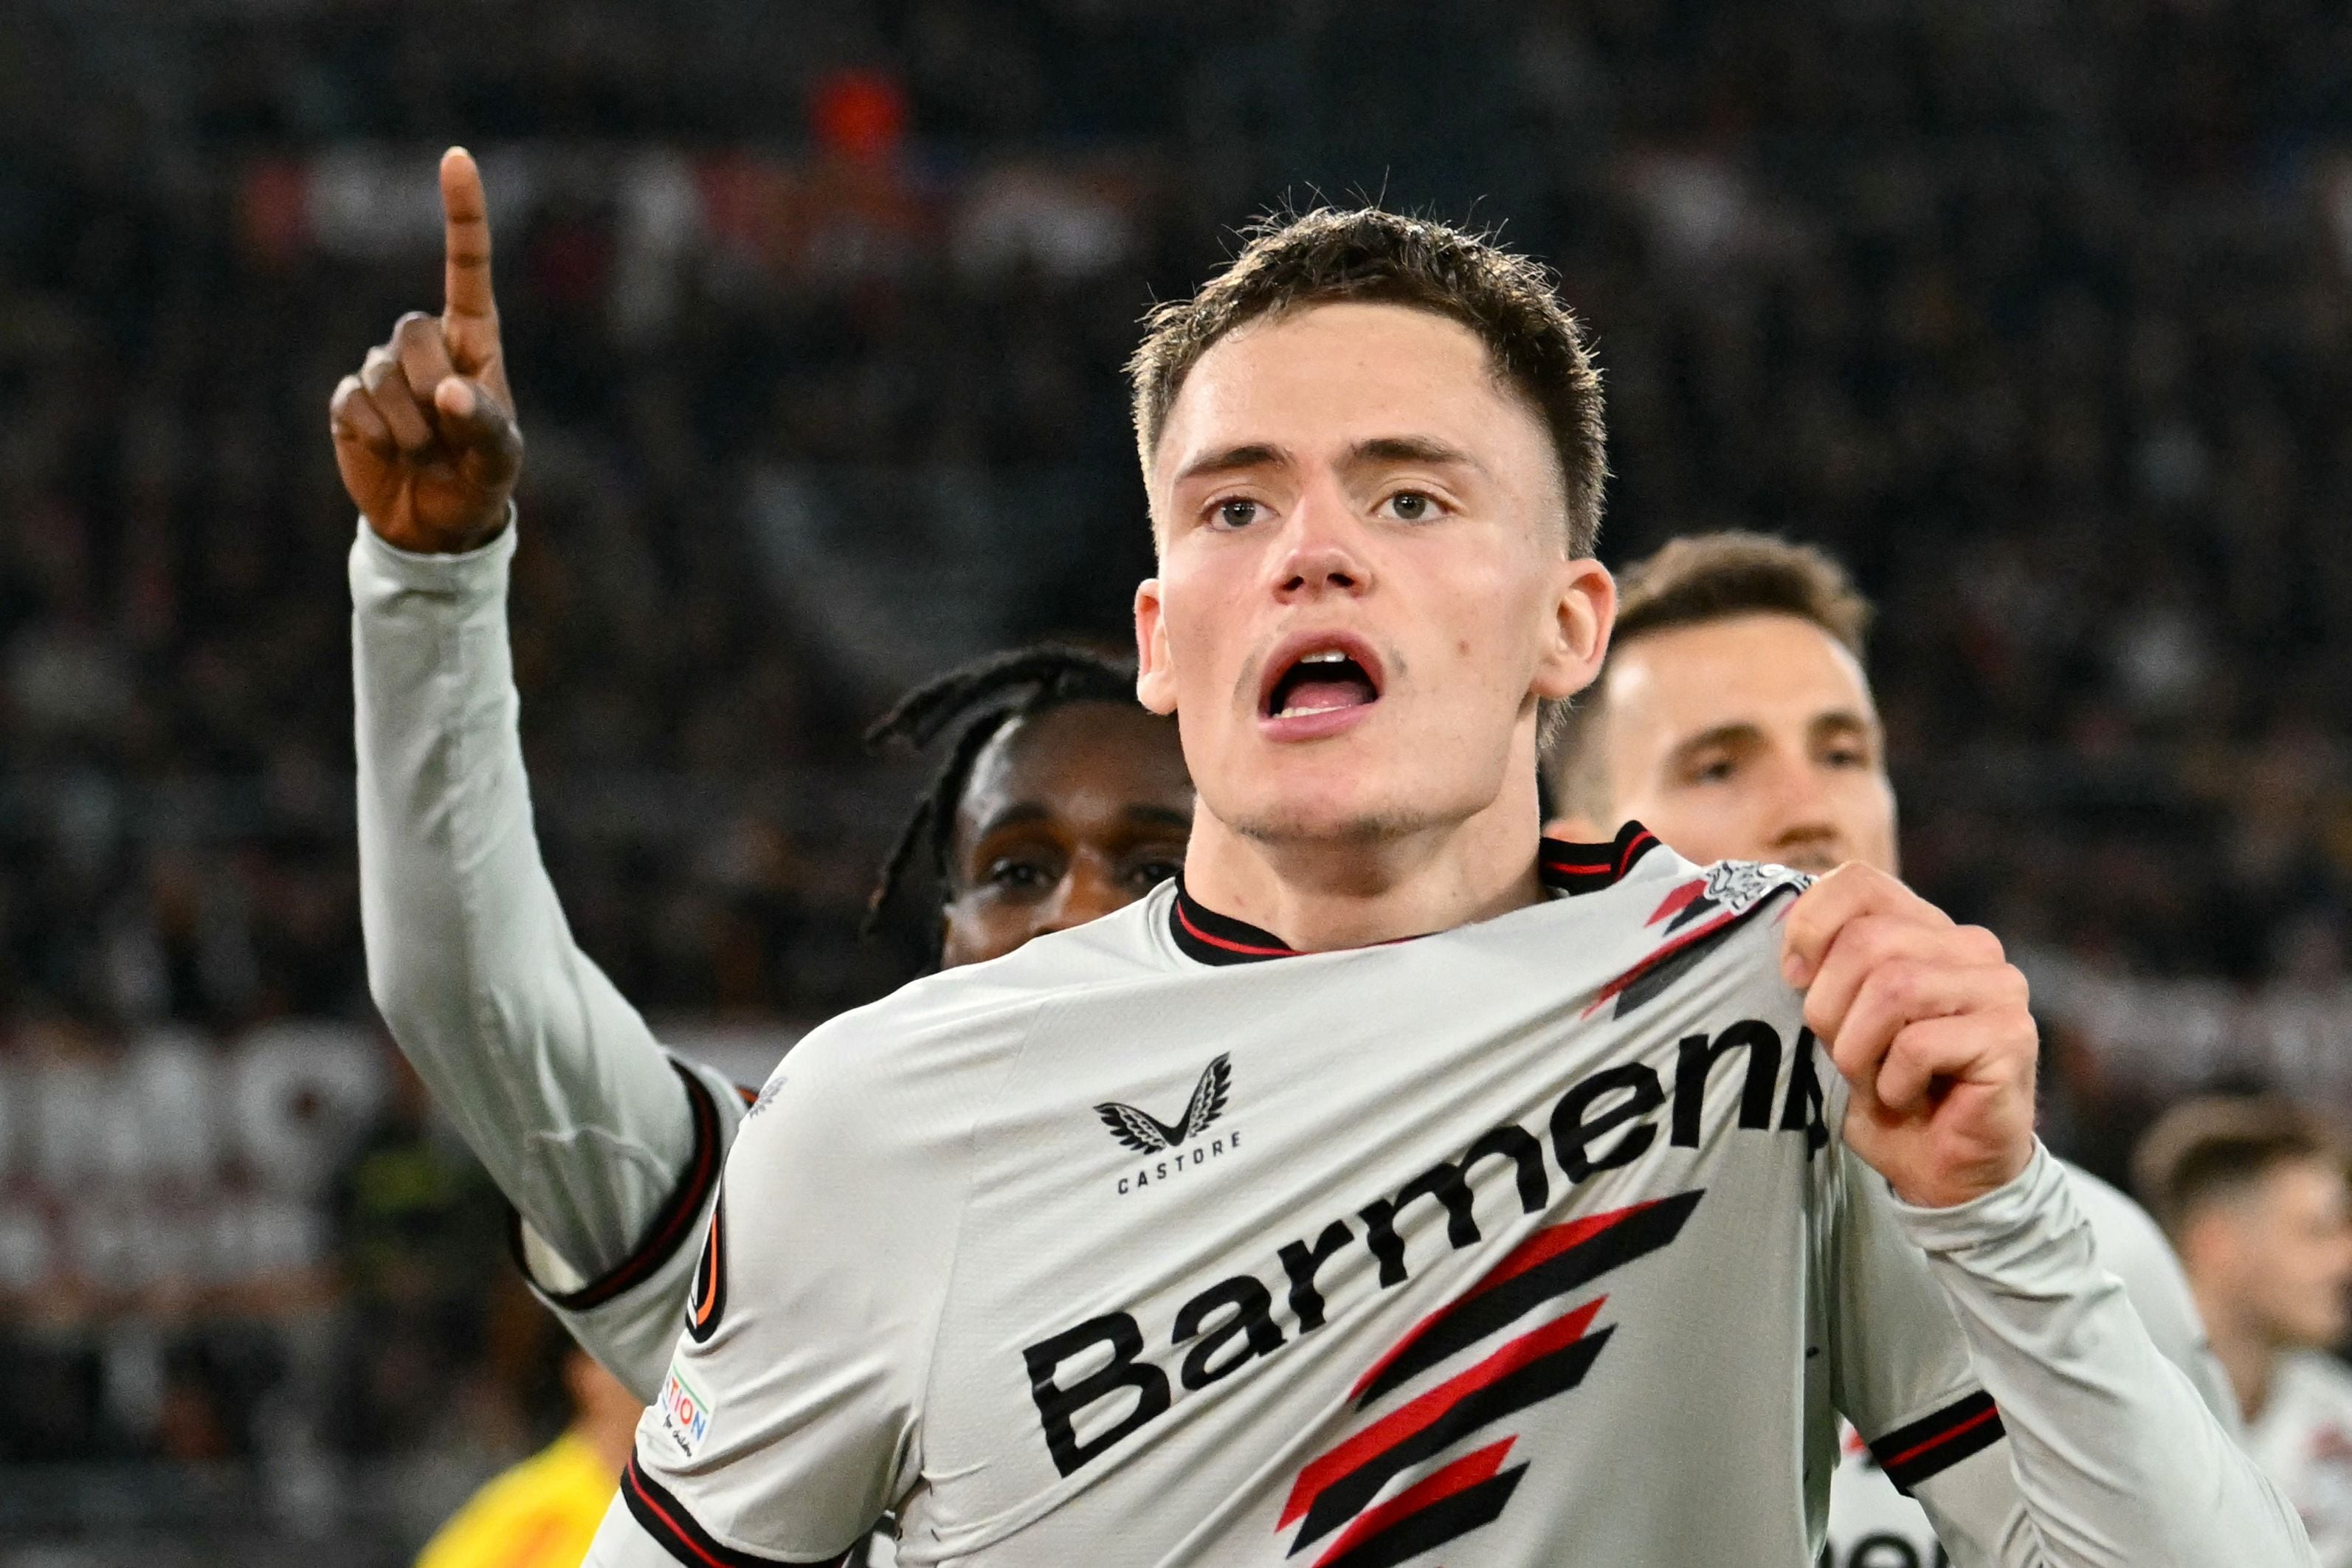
{"points": [[1068, 815], [1362, 589], [2285, 1252], [1752, 738]]}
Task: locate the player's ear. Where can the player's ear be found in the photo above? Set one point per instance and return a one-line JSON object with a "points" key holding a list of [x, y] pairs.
{"points": [[1155, 674], [1584, 608]]}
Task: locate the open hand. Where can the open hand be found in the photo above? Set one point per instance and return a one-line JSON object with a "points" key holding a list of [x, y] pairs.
{"points": [[425, 433], [1928, 1020]]}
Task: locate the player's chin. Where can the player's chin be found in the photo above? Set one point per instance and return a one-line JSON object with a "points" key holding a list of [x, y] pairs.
{"points": [[1347, 808]]}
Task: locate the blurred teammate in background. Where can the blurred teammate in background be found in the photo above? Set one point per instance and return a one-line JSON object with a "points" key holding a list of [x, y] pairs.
{"points": [[543, 1513], [1735, 720], [2253, 1194]]}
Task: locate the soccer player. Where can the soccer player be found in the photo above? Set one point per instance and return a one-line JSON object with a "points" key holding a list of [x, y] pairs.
{"points": [[1735, 720], [543, 1513], [2252, 1192], [1280, 1211]]}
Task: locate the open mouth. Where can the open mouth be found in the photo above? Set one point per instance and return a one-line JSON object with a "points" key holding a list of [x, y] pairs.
{"points": [[1323, 678]]}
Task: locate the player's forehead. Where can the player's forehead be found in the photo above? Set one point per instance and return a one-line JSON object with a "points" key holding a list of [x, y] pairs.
{"points": [[1769, 670], [1076, 765], [1315, 380]]}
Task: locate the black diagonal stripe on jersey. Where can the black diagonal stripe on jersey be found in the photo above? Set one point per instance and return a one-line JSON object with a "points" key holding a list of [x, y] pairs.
{"points": [[1495, 1302], [1555, 1372], [1448, 1519], [681, 1535], [1567, 867], [1650, 979], [1912, 1454], [672, 1224]]}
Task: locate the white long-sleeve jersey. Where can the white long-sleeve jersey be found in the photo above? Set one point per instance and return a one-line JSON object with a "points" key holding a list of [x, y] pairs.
{"points": [[1874, 1524], [608, 1147], [878, 1314]]}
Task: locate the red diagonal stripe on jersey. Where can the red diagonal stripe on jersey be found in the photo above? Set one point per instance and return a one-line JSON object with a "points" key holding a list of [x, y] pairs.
{"points": [[1695, 933], [1404, 1422], [1458, 1477], [1539, 1248], [1678, 899]]}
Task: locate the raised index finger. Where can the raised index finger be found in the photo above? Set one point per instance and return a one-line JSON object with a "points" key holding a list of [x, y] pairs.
{"points": [[466, 239]]}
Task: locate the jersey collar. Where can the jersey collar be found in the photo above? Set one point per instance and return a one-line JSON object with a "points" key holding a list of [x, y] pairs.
{"points": [[1203, 935]]}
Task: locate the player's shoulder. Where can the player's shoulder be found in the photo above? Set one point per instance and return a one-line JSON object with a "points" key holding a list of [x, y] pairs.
{"points": [[1647, 917], [1640, 880], [960, 1024], [2314, 1379]]}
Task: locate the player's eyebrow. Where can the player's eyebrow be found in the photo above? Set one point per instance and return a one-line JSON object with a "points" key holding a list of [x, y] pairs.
{"points": [[1842, 721], [1234, 459], [1736, 736], [1381, 451], [1160, 817], [1019, 814]]}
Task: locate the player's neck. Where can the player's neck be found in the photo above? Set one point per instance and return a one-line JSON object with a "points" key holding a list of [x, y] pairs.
{"points": [[1321, 893], [2248, 1354]]}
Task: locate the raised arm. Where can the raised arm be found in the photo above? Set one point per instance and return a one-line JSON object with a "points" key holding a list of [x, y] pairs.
{"points": [[606, 1148], [2114, 1459]]}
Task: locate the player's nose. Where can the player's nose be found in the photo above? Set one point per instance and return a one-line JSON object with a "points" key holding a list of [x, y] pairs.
{"points": [[1322, 547], [1088, 892]]}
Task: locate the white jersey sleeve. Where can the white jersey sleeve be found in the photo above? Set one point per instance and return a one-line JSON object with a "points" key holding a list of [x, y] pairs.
{"points": [[1875, 1524], [2116, 1456], [791, 1416], [2133, 1248], [1901, 1372], [608, 1149]]}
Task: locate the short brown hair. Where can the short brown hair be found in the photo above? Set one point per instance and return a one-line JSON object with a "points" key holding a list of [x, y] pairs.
{"points": [[1367, 256], [2217, 1147], [1692, 582]]}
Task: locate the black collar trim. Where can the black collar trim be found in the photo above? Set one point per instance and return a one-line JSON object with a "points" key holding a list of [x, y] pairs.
{"points": [[1587, 868], [1206, 937]]}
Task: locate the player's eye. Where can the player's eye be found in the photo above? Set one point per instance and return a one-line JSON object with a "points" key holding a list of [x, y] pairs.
{"points": [[1144, 875], [1714, 771], [1236, 513], [1011, 874], [1411, 506]]}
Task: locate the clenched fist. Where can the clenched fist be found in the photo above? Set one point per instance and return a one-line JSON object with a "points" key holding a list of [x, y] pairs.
{"points": [[425, 433], [1927, 1021]]}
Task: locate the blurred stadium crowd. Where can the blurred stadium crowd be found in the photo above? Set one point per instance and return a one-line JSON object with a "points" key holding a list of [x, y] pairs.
{"points": [[2040, 317]]}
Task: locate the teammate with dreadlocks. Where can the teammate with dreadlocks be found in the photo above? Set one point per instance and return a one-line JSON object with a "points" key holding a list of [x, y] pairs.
{"points": [[1058, 800]]}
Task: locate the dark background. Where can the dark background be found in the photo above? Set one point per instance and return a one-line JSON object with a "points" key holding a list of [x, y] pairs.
{"points": [[2039, 315]]}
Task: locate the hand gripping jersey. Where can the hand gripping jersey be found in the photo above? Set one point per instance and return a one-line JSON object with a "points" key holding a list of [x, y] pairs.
{"points": [[1872, 1524], [1525, 1242]]}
